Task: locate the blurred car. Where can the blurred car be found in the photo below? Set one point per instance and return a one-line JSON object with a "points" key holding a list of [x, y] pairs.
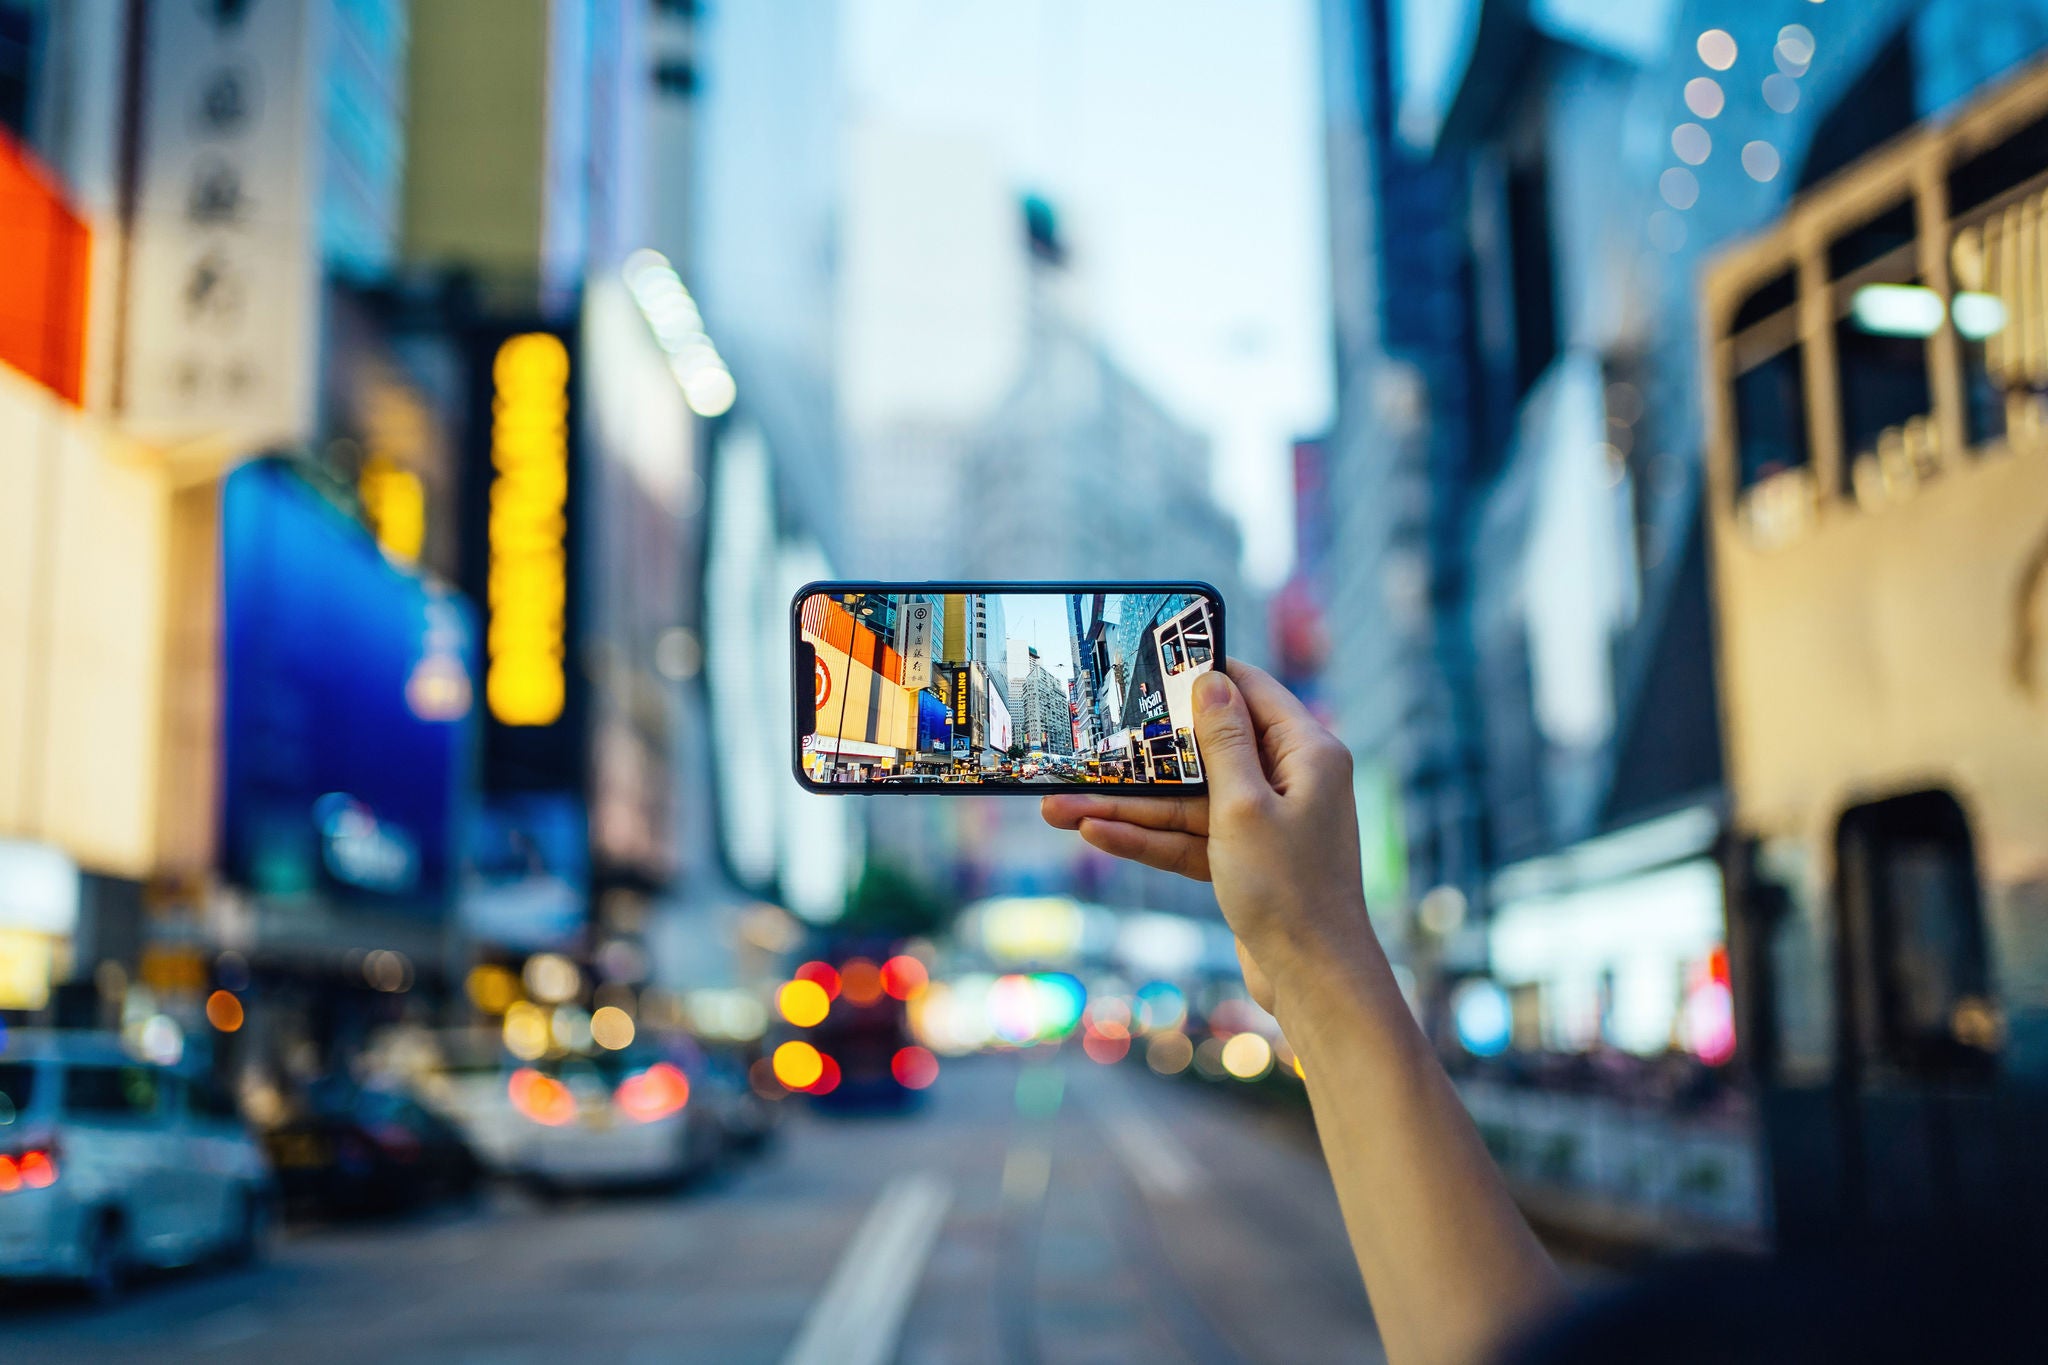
{"points": [[649, 1115], [109, 1164], [354, 1151]]}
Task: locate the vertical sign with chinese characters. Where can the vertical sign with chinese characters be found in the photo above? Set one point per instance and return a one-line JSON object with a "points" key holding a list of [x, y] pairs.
{"points": [[223, 293], [917, 644]]}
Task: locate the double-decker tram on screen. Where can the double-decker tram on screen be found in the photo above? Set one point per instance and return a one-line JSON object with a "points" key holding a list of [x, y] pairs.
{"points": [[1877, 441]]}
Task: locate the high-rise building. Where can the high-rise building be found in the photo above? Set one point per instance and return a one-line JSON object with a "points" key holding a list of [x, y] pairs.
{"points": [[1041, 719]]}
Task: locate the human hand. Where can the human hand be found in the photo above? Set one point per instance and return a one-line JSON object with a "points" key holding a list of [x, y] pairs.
{"points": [[1277, 834]]}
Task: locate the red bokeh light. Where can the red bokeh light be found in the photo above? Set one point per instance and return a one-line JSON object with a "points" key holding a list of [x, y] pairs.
{"points": [[914, 1067], [904, 977], [1106, 1048], [822, 973], [828, 1077], [655, 1093]]}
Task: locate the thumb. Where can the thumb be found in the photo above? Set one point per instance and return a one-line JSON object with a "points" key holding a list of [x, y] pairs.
{"points": [[1223, 732]]}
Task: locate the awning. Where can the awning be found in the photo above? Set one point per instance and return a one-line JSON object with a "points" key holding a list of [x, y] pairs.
{"points": [[849, 748]]}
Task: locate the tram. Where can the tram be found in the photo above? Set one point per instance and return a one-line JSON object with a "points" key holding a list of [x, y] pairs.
{"points": [[1877, 449]]}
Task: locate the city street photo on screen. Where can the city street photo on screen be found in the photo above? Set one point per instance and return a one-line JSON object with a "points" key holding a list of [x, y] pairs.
{"points": [[920, 689]]}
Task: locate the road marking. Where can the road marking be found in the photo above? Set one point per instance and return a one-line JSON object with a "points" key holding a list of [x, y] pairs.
{"points": [[1155, 1158], [859, 1317], [1026, 1173]]}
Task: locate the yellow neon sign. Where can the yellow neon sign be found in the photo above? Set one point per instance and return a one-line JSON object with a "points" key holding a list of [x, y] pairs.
{"points": [[528, 585]]}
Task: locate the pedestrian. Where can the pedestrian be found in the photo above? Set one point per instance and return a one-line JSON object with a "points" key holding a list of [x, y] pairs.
{"points": [[1453, 1270]]}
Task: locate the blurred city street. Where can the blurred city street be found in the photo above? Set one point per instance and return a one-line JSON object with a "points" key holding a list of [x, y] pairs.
{"points": [[1089, 1214], [553, 552]]}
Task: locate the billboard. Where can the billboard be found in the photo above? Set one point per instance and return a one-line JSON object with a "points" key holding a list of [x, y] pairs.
{"points": [[999, 737], [522, 498], [346, 705], [934, 724]]}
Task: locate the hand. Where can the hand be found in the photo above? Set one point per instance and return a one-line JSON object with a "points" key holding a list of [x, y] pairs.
{"points": [[1277, 834]]}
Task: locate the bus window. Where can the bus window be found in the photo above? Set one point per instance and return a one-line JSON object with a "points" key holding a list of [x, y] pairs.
{"points": [[1914, 918]]}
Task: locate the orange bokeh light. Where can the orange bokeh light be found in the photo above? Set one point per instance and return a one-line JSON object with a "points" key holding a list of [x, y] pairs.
{"points": [[10, 1175], [798, 1064], [541, 1098], [904, 977], [860, 981], [224, 1011]]}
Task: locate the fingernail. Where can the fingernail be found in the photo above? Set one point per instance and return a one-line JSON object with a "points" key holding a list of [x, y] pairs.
{"points": [[1212, 690]]}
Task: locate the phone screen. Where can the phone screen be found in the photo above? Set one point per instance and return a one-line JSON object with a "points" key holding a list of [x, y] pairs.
{"points": [[990, 687]]}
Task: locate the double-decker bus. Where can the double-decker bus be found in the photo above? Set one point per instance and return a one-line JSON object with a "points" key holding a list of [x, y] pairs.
{"points": [[1877, 445]]}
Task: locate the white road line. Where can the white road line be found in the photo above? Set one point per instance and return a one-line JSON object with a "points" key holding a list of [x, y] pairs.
{"points": [[1154, 1157], [859, 1317]]}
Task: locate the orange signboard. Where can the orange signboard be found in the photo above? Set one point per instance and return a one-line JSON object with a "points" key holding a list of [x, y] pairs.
{"points": [[46, 248]]}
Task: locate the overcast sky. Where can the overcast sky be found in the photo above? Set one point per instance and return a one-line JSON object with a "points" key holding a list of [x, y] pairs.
{"points": [[1180, 140]]}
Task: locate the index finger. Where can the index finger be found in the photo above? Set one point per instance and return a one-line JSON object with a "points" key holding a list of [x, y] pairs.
{"points": [[1270, 703], [1185, 814]]}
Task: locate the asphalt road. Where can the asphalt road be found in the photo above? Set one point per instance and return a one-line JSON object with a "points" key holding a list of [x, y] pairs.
{"points": [[1032, 1211]]}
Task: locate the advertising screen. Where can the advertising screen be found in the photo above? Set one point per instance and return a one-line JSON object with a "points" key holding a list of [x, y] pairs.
{"points": [[1072, 687], [346, 707]]}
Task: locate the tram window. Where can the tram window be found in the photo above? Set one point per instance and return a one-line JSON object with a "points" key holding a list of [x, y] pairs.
{"points": [[1993, 171], [1770, 417], [1882, 379], [1770, 298], [1893, 230]]}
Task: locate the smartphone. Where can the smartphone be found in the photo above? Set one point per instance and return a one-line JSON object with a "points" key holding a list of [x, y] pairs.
{"points": [[972, 688]]}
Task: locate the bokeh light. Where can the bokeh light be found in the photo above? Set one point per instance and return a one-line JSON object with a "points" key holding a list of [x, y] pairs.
{"points": [[860, 981], [611, 1028], [1481, 1016], [1692, 144], [491, 988], [1680, 188], [1781, 92], [1703, 96], [1760, 160], [823, 973], [657, 1092], [828, 1076], [914, 1068], [224, 1011], [541, 1098], [803, 1003], [904, 977], [798, 1064], [1716, 48], [1247, 1056], [1169, 1053], [526, 1030]]}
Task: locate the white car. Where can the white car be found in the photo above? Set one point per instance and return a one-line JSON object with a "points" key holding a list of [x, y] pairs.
{"points": [[108, 1164], [640, 1117]]}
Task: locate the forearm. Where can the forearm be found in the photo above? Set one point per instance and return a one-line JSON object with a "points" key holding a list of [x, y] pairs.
{"points": [[1450, 1264]]}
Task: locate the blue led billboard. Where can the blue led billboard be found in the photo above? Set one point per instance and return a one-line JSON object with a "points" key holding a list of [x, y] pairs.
{"points": [[346, 705]]}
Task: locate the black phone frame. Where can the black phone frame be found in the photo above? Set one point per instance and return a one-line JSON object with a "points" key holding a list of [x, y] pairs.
{"points": [[803, 683]]}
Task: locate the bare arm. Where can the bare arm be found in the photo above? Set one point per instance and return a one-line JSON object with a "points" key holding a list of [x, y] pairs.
{"points": [[1452, 1269]]}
